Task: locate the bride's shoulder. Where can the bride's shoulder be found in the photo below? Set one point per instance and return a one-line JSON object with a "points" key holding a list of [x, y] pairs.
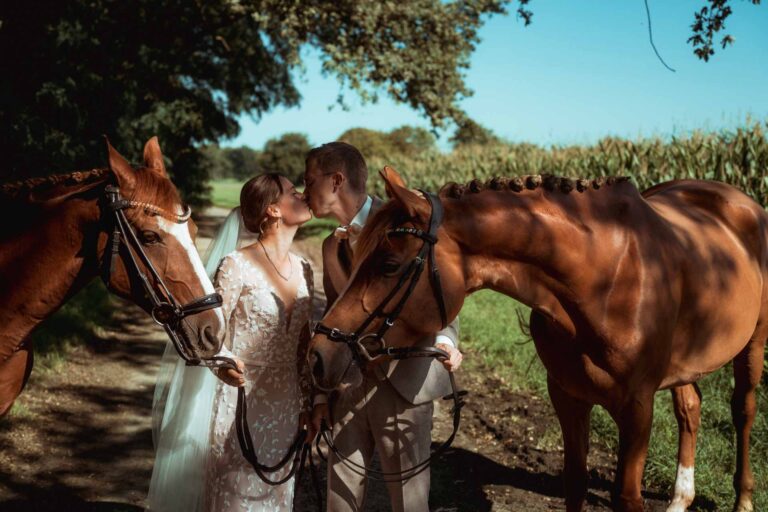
{"points": [[235, 259]]}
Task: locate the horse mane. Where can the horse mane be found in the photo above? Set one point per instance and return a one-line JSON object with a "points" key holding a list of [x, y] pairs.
{"points": [[150, 187], [22, 189], [522, 183], [391, 214], [375, 229]]}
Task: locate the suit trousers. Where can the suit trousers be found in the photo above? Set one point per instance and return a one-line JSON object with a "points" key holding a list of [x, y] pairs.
{"points": [[375, 417]]}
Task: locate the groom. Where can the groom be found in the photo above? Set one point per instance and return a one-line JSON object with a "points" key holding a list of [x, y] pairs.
{"points": [[391, 412]]}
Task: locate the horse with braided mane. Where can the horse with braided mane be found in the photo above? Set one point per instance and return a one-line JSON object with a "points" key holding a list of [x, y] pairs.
{"points": [[630, 293]]}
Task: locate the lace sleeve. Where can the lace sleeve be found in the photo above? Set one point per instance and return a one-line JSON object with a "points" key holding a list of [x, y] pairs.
{"points": [[228, 283], [305, 378]]}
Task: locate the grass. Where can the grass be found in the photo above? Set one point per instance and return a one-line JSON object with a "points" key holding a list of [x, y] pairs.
{"points": [[490, 328], [226, 193]]}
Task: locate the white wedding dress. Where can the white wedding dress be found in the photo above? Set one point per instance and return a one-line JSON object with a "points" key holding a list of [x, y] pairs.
{"points": [[263, 335]]}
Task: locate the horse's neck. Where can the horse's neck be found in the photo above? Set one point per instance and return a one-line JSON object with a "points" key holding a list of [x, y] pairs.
{"points": [[538, 247], [44, 263]]}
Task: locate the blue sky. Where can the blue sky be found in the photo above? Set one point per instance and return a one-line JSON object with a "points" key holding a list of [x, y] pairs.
{"points": [[581, 71]]}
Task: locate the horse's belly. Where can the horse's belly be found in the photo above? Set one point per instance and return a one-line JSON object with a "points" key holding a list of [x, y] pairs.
{"points": [[715, 324]]}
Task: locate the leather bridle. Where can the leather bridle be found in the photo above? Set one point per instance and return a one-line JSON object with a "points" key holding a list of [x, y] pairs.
{"points": [[356, 340], [361, 354], [165, 309]]}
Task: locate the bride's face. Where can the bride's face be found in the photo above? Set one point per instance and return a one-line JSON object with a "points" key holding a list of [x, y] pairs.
{"points": [[292, 205]]}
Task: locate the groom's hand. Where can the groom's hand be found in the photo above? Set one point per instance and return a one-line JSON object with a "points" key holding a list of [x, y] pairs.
{"points": [[232, 377], [454, 357]]}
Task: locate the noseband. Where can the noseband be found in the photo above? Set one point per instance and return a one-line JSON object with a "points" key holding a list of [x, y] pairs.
{"points": [[356, 341], [166, 310]]}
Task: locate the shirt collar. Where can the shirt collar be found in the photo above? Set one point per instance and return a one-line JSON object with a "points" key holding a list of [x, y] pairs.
{"points": [[362, 214]]}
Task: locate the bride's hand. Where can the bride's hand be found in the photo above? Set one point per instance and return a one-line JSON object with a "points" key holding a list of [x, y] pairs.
{"points": [[232, 377]]}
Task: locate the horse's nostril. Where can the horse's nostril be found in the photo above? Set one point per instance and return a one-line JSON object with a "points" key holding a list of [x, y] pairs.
{"points": [[209, 338], [316, 363]]}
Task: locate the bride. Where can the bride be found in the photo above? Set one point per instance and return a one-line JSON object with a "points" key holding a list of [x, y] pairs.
{"points": [[267, 296]]}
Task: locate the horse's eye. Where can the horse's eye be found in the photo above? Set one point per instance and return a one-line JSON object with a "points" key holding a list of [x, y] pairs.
{"points": [[390, 267], [149, 237]]}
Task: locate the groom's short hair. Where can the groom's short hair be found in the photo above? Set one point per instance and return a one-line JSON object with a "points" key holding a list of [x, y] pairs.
{"points": [[342, 157]]}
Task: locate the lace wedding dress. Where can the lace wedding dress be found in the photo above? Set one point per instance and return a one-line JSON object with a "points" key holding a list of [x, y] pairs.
{"points": [[265, 336]]}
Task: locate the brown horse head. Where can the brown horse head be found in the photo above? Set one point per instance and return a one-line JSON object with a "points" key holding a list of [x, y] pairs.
{"points": [[380, 262], [167, 235]]}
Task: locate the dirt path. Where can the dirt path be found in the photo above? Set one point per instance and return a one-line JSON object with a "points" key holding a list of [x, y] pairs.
{"points": [[84, 441]]}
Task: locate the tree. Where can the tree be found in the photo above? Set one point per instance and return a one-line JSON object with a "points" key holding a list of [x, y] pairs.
{"points": [[405, 140], [185, 71], [370, 142], [412, 140], [285, 155], [707, 22], [244, 162], [469, 132]]}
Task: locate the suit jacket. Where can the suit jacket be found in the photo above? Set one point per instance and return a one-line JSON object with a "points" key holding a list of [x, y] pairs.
{"points": [[417, 380]]}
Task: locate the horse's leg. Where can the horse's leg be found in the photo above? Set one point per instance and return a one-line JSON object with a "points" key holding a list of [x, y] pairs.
{"points": [[687, 404], [14, 373], [634, 419], [574, 423], [747, 370]]}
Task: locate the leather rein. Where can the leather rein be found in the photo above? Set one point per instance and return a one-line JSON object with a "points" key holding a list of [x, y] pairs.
{"points": [[367, 347]]}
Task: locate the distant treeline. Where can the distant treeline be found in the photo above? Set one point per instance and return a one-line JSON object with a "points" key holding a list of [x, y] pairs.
{"points": [[738, 157], [285, 154]]}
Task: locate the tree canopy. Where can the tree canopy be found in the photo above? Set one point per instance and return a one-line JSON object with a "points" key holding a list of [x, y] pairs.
{"points": [[185, 71], [470, 132], [405, 140]]}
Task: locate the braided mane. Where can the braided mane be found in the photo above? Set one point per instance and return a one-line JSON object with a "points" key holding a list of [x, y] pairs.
{"points": [[19, 189], [532, 182]]}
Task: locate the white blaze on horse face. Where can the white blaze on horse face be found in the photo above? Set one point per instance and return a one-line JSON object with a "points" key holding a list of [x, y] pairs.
{"points": [[181, 233], [684, 490]]}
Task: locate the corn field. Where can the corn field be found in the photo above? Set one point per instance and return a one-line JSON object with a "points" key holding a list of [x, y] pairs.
{"points": [[739, 158]]}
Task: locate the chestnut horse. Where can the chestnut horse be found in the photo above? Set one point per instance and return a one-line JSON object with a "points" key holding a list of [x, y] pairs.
{"points": [[630, 293], [53, 240]]}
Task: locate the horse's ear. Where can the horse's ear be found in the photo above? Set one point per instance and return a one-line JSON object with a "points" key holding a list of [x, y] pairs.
{"points": [[153, 157], [413, 202], [126, 175], [391, 178]]}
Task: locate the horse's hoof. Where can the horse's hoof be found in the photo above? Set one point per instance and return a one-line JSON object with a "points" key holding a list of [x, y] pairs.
{"points": [[678, 505]]}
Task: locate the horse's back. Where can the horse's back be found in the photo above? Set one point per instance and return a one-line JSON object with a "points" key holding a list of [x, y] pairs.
{"points": [[705, 202]]}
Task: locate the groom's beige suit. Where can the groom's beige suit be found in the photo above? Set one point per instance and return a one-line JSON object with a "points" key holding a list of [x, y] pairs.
{"points": [[391, 412]]}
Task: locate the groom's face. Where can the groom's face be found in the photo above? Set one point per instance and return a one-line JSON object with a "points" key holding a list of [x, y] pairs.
{"points": [[319, 190]]}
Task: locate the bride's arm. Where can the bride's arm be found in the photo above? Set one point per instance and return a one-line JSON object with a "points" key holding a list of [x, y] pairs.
{"points": [[228, 283]]}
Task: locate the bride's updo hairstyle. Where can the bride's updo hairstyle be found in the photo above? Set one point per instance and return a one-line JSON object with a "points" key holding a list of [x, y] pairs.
{"points": [[255, 197]]}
